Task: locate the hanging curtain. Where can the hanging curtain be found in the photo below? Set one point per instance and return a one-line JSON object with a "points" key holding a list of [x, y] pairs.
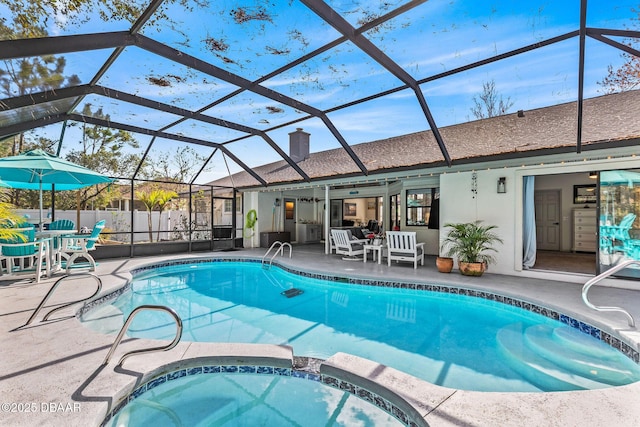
{"points": [[529, 224]]}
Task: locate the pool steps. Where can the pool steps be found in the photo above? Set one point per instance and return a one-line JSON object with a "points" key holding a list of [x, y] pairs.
{"points": [[573, 338], [105, 318], [540, 353]]}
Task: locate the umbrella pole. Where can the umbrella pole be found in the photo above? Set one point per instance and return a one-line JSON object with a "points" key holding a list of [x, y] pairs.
{"points": [[40, 223], [78, 210]]}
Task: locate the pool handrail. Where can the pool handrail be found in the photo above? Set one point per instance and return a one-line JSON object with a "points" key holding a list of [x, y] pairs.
{"points": [[280, 250], [124, 328], [598, 278], [54, 287]]}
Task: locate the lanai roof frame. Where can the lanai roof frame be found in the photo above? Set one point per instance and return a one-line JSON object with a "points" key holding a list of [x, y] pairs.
{"points": [[122, 39]]}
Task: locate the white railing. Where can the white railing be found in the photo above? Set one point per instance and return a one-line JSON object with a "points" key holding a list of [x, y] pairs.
{"points": [[598, 278], [146, 350], [55, 286]]}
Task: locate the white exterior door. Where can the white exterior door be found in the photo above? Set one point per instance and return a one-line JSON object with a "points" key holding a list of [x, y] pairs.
{"points": [[548, 216]]}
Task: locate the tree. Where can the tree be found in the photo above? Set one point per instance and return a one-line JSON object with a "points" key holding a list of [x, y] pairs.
{"points": [[179, 166], [489, 103], [156, 199], [23, 76], [27, 199], [31, 15], [624, 78], [627, 76], [103, 150]]}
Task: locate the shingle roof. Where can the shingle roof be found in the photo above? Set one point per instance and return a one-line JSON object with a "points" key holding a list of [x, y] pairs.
{"points": [[608, 118]]}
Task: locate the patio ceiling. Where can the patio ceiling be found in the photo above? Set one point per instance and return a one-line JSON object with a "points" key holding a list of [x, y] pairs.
{"points": [[233, 78]]}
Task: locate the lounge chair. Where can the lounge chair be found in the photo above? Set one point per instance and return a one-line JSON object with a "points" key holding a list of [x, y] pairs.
{"points": [[77, 246], [345, 244], [402, 246]]}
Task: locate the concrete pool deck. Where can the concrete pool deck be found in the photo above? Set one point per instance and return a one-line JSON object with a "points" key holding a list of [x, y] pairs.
{"points": [[51, 371]]}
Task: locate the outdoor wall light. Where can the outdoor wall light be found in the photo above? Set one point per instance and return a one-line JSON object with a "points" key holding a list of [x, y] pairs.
{"points": [[593, 174], [502, 184]]}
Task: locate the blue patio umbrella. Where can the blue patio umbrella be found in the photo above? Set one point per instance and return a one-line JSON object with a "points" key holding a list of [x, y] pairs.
{"points": [[39, 170], [619, 177]]}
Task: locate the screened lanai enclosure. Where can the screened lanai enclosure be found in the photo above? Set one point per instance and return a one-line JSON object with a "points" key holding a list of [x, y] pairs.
{"points": [[172, 98]]}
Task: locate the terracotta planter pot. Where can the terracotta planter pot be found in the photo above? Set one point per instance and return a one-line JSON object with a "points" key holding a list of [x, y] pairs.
{"points": [[472, 268], [444, 264]]}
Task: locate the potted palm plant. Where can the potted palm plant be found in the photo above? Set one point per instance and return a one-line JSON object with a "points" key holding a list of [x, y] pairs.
{"points": [[470, 243]]}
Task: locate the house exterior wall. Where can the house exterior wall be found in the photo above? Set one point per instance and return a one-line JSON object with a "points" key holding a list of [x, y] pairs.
{"points": [[459, 204]]}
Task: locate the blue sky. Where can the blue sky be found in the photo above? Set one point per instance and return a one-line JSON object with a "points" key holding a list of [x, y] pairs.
{"points": [[434, 37]]}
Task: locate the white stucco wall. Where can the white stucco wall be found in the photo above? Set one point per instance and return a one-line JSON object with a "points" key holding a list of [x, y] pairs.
{"points": [[459, 204], [251, 201]]}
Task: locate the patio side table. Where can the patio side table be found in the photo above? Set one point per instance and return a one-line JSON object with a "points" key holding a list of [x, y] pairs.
{"points": [[375, 250]]}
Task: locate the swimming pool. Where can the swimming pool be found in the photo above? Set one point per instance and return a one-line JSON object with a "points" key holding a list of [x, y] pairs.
{"points": [[449, 336], [214, 395]]}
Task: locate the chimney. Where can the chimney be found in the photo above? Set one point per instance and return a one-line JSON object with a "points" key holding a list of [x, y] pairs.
{"points": [[298, 145]]}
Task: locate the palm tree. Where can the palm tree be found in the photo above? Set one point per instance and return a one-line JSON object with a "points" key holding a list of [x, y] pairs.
{"points": [[8, 220], [163, 199], [158, 198]]}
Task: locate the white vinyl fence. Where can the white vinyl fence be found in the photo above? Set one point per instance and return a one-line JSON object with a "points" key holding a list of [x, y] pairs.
{"points": [[171, 223]]}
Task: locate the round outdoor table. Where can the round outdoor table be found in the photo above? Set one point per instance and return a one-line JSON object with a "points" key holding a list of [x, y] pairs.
{"points": [[54, 255]]}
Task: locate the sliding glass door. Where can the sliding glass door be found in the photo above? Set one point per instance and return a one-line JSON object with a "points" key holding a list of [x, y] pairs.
{"points": [[619, 222]]}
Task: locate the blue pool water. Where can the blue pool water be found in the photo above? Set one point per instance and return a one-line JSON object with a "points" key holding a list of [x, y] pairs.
{"points": [[249, 400], [452, 340]]}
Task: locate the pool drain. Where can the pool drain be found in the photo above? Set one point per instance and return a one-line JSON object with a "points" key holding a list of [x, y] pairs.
{"points": [[293, 292]]}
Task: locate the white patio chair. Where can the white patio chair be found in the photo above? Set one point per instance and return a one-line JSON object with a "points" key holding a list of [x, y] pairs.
{"points": [[402, 246], [76, 246], [346, 245]]}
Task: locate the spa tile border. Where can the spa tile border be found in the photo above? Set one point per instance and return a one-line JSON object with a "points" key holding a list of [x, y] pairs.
{"points": [[615, 342], [337, 383]]}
